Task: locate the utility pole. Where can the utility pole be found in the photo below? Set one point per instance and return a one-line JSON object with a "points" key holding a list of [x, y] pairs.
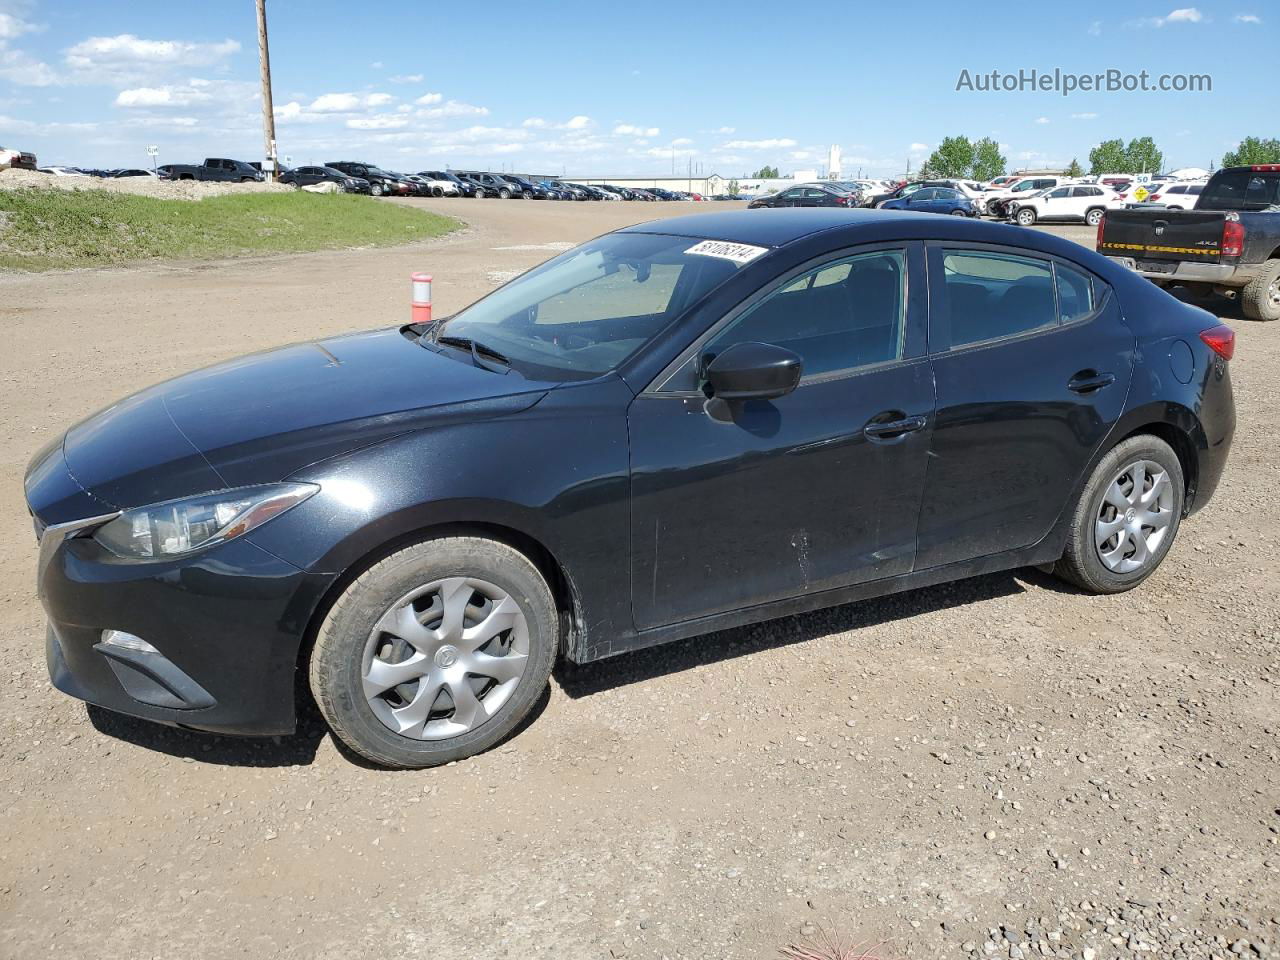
{"points": [[268, 112]]}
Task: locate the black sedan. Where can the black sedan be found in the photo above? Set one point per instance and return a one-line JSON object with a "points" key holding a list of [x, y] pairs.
{"points": [[309, 176], [809, 195], [684, 426]]}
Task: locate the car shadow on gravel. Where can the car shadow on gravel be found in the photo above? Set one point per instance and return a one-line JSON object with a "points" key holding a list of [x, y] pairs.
{"points": [[587, 679]]}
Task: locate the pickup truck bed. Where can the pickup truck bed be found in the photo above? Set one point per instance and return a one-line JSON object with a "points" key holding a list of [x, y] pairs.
{"points": [[1230, 242]]}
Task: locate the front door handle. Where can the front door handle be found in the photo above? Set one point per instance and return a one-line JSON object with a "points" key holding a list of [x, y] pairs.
{"points": [[892, 429], [1090, 381]]}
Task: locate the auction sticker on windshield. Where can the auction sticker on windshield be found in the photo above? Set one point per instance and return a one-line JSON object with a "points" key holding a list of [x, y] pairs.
{"points": [[737, 252]]}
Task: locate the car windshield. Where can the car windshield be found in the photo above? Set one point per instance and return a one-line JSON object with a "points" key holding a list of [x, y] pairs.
{"points": [[583, 313], [1241, 190]]}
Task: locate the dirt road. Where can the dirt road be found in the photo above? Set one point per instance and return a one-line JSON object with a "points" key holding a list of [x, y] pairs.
{"points": [[996, 768]]}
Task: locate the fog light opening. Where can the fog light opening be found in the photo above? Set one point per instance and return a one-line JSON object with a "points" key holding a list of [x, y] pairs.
{"points": [[126, 641]]}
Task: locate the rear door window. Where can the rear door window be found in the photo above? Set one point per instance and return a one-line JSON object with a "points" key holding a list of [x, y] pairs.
{"points": [[995, 295]]}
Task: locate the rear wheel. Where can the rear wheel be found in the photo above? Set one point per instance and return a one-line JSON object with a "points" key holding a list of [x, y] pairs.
{"points": [[1127, 517], [435, 653], [1260, 298], [958, 212], [437, 191], [1093, 217]]}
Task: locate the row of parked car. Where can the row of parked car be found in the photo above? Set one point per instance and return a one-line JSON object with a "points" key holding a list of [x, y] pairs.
{"points": [[355, 176], [1023, 199]]}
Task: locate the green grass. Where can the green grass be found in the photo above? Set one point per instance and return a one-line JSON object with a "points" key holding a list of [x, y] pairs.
{"points": [[46, 229]]}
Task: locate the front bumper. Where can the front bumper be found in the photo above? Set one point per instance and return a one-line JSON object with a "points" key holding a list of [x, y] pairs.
{"points": [[226, 625], [1186, 271]]}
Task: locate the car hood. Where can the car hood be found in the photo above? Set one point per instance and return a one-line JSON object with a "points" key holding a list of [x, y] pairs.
{"points": [[261, 418]]}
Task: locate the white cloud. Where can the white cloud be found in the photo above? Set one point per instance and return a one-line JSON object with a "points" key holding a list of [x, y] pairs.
{"points": [[1042, 120], [1181, 15], [535, 123], [23, 70], [630, 130], [125, 57], [406, 78], [918, 148], [11, 27], [453, 108], [376, 65], [681, 142], [724, 130], [578, 123], [379, 121], [378, 99], [1095, 28], [335, 103], [1247, 18], [773, 144], [1084, 116], [429, 99], [165, 96]]}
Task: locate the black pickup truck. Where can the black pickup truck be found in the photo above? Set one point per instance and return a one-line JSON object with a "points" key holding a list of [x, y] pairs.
{"points": [[214, 169], [1228, 243]]}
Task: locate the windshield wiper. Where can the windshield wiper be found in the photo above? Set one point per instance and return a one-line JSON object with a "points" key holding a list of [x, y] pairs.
{"points": [[479, 353]]}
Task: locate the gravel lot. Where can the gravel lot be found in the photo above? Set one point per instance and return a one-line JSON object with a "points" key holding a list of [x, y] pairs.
{"points": [[996, 768]]}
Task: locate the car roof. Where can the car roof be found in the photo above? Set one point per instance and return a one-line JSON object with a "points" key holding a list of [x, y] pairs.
{"points": [[778, 227]]}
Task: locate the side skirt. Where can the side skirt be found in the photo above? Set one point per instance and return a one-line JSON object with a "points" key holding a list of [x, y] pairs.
{"points": [[1044, 552]]}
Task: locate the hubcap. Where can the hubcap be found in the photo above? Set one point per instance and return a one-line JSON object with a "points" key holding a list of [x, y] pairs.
{"points": [[1134, 517], [445, 658], [1274, 292]]}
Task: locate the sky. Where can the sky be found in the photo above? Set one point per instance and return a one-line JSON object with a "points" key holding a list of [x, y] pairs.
{"points": [[602, 90]]}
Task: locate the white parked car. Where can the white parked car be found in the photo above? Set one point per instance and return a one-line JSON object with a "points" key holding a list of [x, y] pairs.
{"points": [[437, 188], [997, 200], [62, 171], [1079, 201], [1177, 196]]}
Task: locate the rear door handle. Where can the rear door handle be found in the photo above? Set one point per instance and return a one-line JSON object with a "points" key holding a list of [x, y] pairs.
{"points": [[1088, 381], [894, 428]]}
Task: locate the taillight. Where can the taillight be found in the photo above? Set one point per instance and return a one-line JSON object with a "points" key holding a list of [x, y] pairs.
{"points": [[1221, 340], [1154, 197], [1265, 168], [1102, 225], [1232, 238]]}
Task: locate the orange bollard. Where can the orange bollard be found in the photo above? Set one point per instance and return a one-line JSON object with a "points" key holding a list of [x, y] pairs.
{"points": [[421, 306]]}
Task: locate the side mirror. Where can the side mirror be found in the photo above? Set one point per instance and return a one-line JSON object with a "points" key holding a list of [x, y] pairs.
{"points": [[753, 371]]}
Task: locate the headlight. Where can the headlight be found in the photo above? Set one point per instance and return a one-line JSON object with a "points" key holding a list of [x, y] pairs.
{"points": [[182, 526]]}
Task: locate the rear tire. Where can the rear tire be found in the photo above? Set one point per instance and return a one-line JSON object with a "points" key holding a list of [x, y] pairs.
{"points": [[1120, 562], [957, 212], [1260, 298], [353, 640]]}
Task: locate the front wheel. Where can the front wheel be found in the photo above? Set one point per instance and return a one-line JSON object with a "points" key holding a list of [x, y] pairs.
{"points": [[957, 212], [504, 194], [1025, 216], [435, 653], [1093, 217], [437, 191], [375, 189], [1127, 517]]}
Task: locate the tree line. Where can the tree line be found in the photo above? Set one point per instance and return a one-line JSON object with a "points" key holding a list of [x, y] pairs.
{"points": [[959, 158]]}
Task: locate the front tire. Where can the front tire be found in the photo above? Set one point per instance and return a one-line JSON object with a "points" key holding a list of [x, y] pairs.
{"points": [[1260, 298], [504, 194], [375, 189], [1025, 216], [436, 653], [1093, 217], [1127, 517]]}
